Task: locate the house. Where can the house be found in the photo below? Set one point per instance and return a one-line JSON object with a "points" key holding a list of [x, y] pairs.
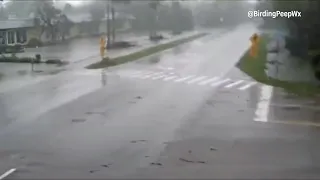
{"points": [[16, 31]]}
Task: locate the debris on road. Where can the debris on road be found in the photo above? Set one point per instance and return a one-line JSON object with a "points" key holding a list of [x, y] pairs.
{"points": [[106, 165], [156, 164], [136, 141], [99, 113], [78, 120], [213, 149], [138, 97], [189, 161]]}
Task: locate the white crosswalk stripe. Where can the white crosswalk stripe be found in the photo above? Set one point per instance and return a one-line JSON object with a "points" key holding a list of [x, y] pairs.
{"points": [[142, 74], [184, 79], [151, 75], [196, 79], [215, 81], [159, 77], [170, 78], [133, 73], [220, 82], [208, 81], [247, 86], [234, 84]]}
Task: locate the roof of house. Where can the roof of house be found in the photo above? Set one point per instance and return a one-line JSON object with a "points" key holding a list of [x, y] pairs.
{"points": [[16, 23]]}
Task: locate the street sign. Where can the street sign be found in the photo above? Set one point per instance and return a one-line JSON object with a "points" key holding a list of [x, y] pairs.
{"points": [[102, 46], [254, 45]]}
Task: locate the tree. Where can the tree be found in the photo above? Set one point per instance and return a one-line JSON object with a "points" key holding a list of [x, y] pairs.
{"points": [[49, 18], [97, 12], [3, 13], [67, 8], [113, 19], [20, 9]]}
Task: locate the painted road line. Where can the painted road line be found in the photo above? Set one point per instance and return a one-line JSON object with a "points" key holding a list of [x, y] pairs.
{"points": [[247, 86], [234, 84], [220, 82], [133, 73], [141, 74], [151, 75], [262, 110], [196, 79], [170, 78], [295, 123], [208, 81], [6, 174], [184, 78], [159, 77]]}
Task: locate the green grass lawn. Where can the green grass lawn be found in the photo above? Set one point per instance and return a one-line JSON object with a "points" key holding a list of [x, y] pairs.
{"points": [[255, 67], [140, 54]]}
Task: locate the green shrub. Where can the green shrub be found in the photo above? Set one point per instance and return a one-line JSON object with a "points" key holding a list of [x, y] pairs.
{"points": [[13, 59], [53, 61]]}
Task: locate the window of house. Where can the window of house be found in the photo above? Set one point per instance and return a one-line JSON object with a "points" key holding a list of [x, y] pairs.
{"points": [[2, 37], [21, 36], [11, 39]]}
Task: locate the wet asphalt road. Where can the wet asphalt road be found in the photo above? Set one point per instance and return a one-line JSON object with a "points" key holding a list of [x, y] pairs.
{"points": [[134, 123]]}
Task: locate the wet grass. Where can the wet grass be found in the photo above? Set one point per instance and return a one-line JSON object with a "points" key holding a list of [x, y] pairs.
{"points": [[255, 67], [140, 54]]}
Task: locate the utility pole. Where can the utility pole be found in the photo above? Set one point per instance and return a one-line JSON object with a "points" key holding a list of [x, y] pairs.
{"points": [[108, 22], [113, 23]]}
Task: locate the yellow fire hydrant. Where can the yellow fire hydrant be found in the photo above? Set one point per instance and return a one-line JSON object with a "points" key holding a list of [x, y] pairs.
{"points": [[102, 47], [254, 45]]}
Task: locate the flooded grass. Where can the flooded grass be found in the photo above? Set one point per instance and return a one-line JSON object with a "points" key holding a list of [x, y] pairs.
{"points": [[255, 67], [140, 54]]}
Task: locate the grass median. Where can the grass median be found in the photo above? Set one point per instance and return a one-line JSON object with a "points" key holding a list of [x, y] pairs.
{"points": [[140, 54], [255, 67]]}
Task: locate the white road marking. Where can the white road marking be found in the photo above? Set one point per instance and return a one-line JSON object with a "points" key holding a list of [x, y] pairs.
{"points": [[133, 73], [159, 77], [208, 81], [247, 86], [141, 74], [196, 79], [184, 78], [170, 78], [262, 110], [6, 174], [151, 75], [234, 84], [220, 82]]}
